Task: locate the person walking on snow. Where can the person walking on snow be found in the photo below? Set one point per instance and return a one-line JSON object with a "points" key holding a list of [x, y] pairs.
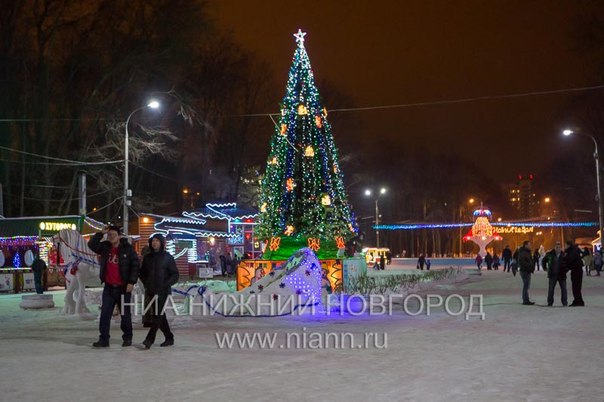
{"points": [[421, 261], [488, 259], [506, 255], [119, 272], [553, 263], [598, 262], [573, 262], [478, 261], [158, 274], [526, 266], [496, 262]]}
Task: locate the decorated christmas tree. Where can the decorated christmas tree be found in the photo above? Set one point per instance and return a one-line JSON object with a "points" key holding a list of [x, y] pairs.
{"points": [[303, 201]]}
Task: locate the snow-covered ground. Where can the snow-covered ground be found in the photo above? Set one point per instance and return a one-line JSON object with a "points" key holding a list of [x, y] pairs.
{"points": [[517, 353]]}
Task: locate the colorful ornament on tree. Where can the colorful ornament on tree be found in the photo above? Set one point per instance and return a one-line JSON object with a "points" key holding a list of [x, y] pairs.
{"points": [[283, 129], [263, 207], [324, 112], [289, 230], [318, 122], [314, 243], [302, 110], [325, 200], [274, 243], [290, 184], [340, 242], [309, 152], [273, 161]]}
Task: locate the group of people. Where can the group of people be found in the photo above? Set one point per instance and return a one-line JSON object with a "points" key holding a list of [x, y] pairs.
{"points": [[491, 261], [421, 261], [120, 270], [557, 263]]}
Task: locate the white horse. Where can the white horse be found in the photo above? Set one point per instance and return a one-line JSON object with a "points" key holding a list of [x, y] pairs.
{"points": [[81, 270]]}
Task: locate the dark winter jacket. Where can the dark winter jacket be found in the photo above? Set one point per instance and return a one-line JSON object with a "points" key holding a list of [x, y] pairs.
{"points": [[573, 259], [158, 272], [38, 266], [525, 260], [128, 259], [506, 254], [555, 266]]}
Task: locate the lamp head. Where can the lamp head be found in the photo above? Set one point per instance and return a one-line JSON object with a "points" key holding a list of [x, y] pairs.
{"points": [[367, 192], [567, 132], [153, 104]]}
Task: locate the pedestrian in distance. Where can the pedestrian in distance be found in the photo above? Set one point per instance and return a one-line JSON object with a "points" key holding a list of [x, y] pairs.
{"points": [[598, 262], [536, 258], [382, 262], [526, 266], [587, 260], [223, 265], [428, 264], [38, 267], [496, 262], [554, 264], [488, 259], [158, 274], [573, 262], [478, 261], [119, 272], [542, 253], [421, 261], [506, 255]]}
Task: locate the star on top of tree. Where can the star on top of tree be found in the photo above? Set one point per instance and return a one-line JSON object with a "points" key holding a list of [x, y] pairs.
{"points": [[300, 37]]}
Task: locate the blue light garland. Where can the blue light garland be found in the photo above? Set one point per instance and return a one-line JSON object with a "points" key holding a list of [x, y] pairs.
{"points": [[502, 224]]}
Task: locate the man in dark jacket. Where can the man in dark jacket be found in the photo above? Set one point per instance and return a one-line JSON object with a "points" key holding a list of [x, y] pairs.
{"points": [[119, 272], [38, 267], [574, 263], [553, 263], [526, 268], [158, 274], [506, 255]]}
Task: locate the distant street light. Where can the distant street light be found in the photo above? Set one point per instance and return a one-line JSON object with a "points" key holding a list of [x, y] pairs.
{"points": [[153, 104], [568, 132], [368, 193]]}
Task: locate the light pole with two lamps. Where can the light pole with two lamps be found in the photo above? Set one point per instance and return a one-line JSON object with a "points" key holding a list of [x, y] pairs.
{"points": [[377, 212], [127, 192], [568, 132]]}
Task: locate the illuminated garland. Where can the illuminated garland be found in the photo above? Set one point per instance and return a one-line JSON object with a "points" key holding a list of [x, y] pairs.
{"points": [[302, 191], [461, 225], [18, 241]]}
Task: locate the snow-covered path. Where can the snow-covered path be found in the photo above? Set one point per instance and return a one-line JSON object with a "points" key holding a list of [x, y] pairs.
{"points": [[517, 353]]}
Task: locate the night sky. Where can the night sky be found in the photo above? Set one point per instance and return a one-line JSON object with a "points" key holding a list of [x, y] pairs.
{"points": [[406, 52]]}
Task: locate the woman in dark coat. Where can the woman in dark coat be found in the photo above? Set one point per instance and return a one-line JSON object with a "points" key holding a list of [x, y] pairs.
{"points": [[158, 274]]}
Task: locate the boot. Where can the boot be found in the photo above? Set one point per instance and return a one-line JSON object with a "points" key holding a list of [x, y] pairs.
{"points": [[167, 342]]}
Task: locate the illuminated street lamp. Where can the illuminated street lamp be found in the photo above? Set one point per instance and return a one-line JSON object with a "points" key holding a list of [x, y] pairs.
{"points": [[127, 192], [377, 212], [568, 132]]}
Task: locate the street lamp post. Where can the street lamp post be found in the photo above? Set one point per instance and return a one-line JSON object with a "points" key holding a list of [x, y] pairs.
{"points": [[568, 132], [127, 192], [377, 213]]}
